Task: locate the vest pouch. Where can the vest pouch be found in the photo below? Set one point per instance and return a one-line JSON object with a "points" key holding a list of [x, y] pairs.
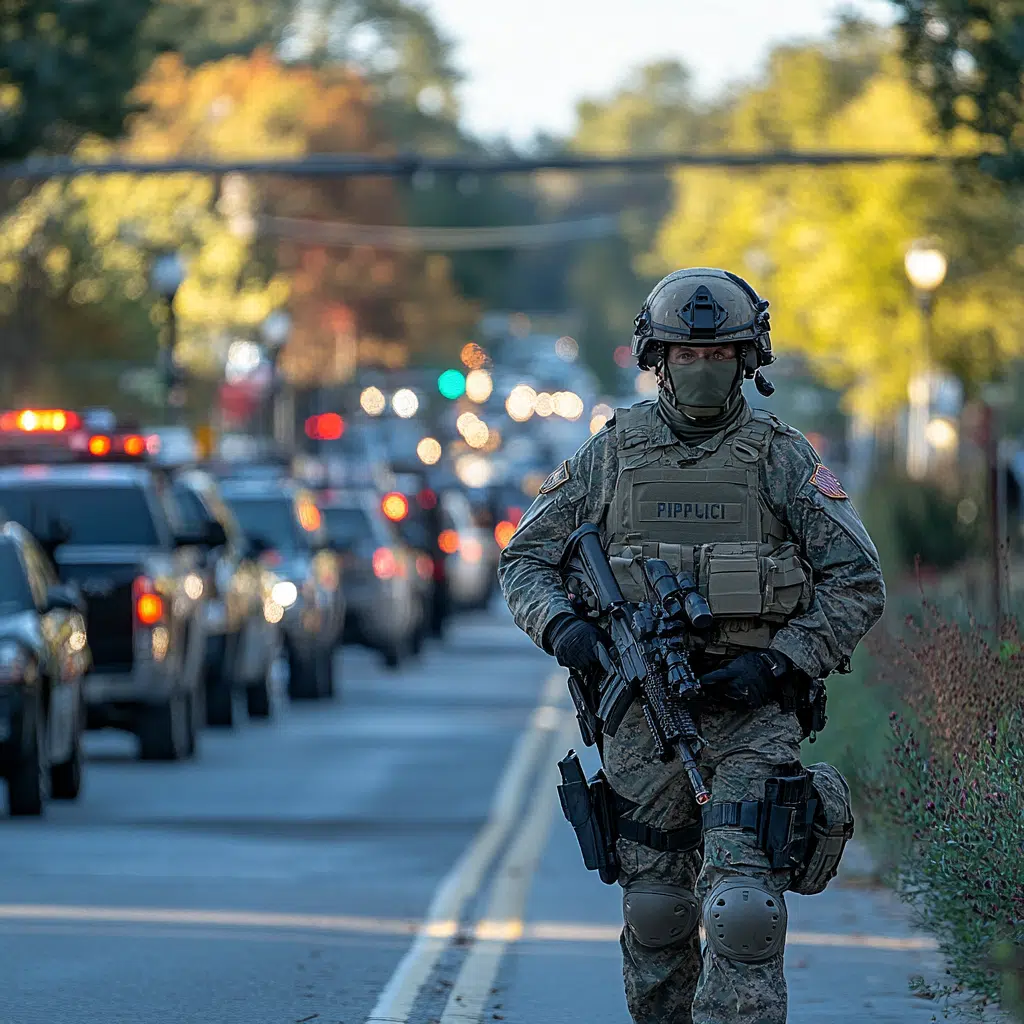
{"points": [[786, 578], [746, 580], [628, 570], [729, 577], [831, 831]]}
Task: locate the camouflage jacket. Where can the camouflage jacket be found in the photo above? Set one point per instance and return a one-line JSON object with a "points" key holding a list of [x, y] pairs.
{"points": [[849, 592]]}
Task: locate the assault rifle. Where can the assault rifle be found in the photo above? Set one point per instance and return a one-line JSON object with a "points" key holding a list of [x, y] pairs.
{"points": [[648, 657]]}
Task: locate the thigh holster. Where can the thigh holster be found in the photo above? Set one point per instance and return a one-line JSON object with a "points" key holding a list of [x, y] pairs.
{"points": [[782, 821], [599, 818]]}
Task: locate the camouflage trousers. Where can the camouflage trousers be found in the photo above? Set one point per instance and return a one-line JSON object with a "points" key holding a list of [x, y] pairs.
{"points": [[677, 984]]}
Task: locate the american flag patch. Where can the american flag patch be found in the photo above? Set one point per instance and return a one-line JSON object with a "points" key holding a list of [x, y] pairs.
{"points": [[827, 482]]}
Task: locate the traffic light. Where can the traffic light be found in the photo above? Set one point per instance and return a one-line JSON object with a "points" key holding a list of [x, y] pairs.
{"points": [[452, 384]]}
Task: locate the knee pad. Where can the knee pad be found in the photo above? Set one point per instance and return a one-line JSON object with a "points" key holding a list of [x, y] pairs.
{"points": [[659, 915], [743, 921]]}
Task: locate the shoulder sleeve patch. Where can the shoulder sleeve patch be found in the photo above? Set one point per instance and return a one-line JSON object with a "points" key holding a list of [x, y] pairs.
{"points": [[556, 479], [827, 482]]}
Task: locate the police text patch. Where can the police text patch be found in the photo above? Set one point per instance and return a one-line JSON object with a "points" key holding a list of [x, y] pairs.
{"points": [[556, 479], [691, 511]]}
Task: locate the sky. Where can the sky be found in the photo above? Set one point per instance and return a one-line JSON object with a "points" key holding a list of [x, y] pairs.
{"points": [[528, 62]]}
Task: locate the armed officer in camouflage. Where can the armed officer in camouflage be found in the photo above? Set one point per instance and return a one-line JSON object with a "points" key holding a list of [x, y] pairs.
{"points": [[742, 501]]}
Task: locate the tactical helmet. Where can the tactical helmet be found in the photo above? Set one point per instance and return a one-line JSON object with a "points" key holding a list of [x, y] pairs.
{"points": [[705, 306]]}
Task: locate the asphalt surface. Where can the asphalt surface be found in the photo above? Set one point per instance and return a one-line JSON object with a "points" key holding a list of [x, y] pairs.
{"points": [[393, 856]]}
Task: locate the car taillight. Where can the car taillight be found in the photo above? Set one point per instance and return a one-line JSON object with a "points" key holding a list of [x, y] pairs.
{"points": [[149, 606], [503, 533], [448, 541], [384, 563], [472, 549], [99, 445], [134, 445]]}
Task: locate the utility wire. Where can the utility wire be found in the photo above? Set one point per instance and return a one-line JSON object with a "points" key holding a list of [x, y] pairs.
{"points": [[412, 165], [525, 236]]}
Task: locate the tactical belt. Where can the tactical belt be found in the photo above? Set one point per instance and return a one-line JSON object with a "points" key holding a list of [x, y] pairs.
{"points": [[675, 840]]}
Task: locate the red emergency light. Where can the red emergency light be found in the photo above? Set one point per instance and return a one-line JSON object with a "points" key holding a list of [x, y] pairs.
{"points": [[327, 426]]}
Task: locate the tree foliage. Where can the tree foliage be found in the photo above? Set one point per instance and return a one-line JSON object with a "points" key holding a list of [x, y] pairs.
{"points": [[827, 246], [968, 56], [86, 245], [66, 68]]}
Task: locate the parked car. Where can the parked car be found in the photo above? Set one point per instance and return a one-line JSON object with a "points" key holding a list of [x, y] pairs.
{"points": [[143, 595], [241, 643], [384, 605], [284, 530], [472, 550], [44, 653]]}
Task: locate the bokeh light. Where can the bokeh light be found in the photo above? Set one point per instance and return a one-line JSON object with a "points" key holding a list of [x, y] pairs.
{"points": [[521, 403], [466, 421], [623, 357], [473, 356], [477, 434], [452, 384], [474, 470], [479, 386], [372, 401], [405, 403], [545, 404], [567, 349], [395, 506], [646, 383], [568, 405], [503, 533], [599, 416], [429, 451]]}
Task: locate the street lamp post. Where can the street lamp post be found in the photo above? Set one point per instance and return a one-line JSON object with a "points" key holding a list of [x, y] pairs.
{"points": [[274, 331], [925, 264], [166, 275]]}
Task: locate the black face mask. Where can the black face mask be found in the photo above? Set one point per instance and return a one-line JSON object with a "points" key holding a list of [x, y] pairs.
{"points": [[703, 388], [699, 400]]}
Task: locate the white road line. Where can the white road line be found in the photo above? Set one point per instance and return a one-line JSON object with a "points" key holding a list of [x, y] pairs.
{"points": [[503, 923], [399, 995]]}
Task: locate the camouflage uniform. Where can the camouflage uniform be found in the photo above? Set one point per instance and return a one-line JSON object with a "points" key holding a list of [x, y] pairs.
{"points": [[797, 500]]}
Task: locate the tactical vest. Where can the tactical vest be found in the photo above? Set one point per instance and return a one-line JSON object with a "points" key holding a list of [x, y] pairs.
{"points": [[705, 516]]}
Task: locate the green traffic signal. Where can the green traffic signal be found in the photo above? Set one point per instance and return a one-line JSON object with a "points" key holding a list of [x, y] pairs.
{"points": [[451, 384]]}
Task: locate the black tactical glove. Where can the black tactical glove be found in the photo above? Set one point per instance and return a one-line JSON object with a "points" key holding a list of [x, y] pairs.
{"points": [[577, 644], [749, 681]]}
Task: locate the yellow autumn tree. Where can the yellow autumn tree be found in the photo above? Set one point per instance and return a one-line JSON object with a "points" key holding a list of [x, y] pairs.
{"points": [[826, 246]]}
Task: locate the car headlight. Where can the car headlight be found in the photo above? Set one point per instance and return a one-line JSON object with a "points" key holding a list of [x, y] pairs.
{"points": [[284, 593], [16, 664]]}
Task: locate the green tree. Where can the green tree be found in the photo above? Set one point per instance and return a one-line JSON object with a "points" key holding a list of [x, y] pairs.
{"points": [[66, 68], [827, 246], [968, 56]]}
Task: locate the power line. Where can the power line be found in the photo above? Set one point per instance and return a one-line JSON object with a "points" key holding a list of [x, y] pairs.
{"points": [[519, 236], [411, 165]]}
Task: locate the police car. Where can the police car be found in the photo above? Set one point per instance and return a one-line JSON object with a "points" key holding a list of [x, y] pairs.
{"points": [[84, 487]]}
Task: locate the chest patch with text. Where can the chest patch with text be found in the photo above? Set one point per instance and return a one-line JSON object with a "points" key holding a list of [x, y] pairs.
{"points": [[690, 511]]}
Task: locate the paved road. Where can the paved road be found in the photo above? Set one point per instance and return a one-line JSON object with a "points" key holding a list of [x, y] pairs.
{"points": [[393, 856]]}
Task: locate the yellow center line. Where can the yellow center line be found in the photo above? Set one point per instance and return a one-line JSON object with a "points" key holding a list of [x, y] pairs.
{"points": [[488, 930]]}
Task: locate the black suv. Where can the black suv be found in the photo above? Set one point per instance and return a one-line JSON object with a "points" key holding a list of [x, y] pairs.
{"points": [[142, 588]]}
